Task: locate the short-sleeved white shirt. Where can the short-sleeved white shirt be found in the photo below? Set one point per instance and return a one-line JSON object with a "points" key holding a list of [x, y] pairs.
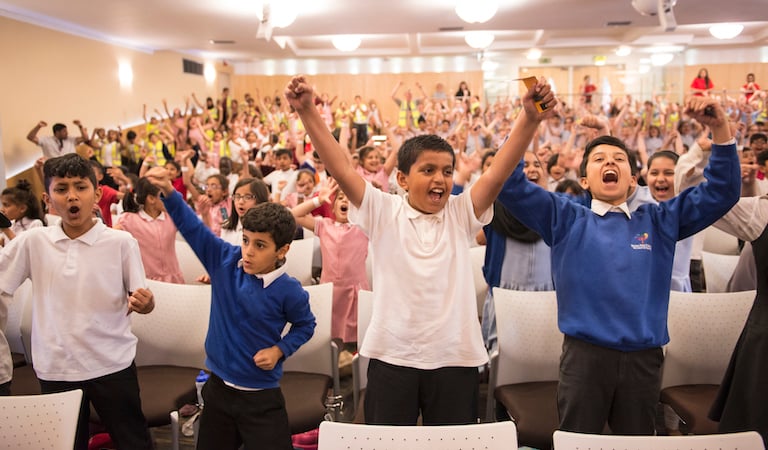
{"points": [[425, 309], [80, 326], [53, 148]]}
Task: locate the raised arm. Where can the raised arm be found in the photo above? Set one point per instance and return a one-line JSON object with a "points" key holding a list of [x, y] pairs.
{"points": [[83, 132], [488, 186], [302, 211], [32, 135], [299, 95]]}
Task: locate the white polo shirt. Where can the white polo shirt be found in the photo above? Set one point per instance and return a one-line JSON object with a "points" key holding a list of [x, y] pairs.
{"points": [[80, 326], [424, 308], [53, 148]]}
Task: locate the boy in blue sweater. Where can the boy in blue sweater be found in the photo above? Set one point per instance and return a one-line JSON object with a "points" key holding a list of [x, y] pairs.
{"points": [[610, 369], [252, 300]]}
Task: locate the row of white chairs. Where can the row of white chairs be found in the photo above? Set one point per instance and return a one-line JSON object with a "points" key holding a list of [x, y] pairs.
{"points": [[524, 371], [503, 436], [170, 352], [49, 421], [703, 330]]}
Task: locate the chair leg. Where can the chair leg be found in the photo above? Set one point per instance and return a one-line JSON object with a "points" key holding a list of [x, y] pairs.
{"points": [[175, 430]]}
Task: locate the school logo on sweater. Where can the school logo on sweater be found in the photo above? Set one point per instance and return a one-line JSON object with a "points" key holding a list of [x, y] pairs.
{"points": [[639, 242]]}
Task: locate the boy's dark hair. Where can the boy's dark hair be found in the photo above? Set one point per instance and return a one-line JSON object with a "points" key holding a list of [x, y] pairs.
{"points": [[272, 218], [282, 151], [411, 149], [663, 154], [134, 200], [97, 165], [604, 140], [756, 136], [58, 127], [130, 135], [762, 158], [257, 188], [568, 183], [22, 194], [69, 165]]}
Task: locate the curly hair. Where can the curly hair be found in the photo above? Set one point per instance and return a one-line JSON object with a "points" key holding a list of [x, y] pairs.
{"points": [[272, 218]]}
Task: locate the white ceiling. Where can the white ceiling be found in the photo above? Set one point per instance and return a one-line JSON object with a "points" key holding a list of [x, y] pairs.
{"points": [[405, 28]]}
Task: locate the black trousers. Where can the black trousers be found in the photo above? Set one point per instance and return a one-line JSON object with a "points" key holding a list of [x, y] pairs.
{"points": [[396, 395], [115, 398], [232, 417], [599, 385], [5, 388]]}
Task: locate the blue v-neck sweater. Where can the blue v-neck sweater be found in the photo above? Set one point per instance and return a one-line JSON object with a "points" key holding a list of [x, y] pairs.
{"points": [[612, 273], [245, 316]]}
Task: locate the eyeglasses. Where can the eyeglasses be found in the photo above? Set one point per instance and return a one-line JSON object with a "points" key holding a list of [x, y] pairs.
{"points": [[246, 197]]}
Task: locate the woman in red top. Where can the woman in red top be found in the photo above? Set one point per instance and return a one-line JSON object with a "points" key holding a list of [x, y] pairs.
{"points": [[701, 85]]}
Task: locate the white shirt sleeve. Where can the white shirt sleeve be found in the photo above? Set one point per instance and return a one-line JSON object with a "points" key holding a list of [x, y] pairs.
{"points": [[747, 219]]}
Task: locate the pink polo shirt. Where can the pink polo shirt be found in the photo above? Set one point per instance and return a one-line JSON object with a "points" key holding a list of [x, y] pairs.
{"points": [[157, 244]]}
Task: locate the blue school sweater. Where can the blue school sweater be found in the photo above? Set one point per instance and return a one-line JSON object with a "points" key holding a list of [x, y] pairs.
{"points": [[612, 274], [245, 316]]}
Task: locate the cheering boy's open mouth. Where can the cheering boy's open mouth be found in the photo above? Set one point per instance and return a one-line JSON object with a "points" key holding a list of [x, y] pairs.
{"points": [[610, 176], [436, 194], [74, 209]]}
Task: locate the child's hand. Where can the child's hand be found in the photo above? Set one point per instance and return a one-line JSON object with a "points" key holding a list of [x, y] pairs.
{"points": [[142, 301], [705, 110], [299, 93], [266, 358], [541, 92], [159, 177], [327, 189]]}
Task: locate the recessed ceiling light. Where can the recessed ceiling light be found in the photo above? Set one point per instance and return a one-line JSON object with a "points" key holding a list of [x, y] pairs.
{"points": [[623, 50], [726, 30]]}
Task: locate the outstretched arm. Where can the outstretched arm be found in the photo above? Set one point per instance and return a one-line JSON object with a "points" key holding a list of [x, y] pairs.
{"points": [[488, 186], [299, 95], [32, 135], [302, 211]]}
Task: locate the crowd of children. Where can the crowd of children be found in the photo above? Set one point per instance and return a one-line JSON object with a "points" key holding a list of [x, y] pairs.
{"points": [[239, 181]]}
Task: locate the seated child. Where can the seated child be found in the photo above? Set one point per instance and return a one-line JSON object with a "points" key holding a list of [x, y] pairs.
{"points": [[252, 301], [86, 279]]}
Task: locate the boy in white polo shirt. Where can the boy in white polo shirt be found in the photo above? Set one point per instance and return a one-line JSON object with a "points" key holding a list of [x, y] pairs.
{"points": [[424, 339], [86, 280]]}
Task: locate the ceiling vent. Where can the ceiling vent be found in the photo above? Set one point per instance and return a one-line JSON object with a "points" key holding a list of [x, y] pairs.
{"points": [[618, 23]]}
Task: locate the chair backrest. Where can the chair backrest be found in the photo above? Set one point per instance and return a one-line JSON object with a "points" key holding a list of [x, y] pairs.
{"points": [[298, 261], [751, 440], [481, 287], [491, 436], [718, 269], [718, 241], [46, 421], [360, 367], [529, 341], [191, 267], [316, 355], [703, 330], [174, 332]]}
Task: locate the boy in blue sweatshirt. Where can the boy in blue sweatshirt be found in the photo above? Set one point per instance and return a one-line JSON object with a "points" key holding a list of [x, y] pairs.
{"points": [[252, 300], [610, 369]]}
